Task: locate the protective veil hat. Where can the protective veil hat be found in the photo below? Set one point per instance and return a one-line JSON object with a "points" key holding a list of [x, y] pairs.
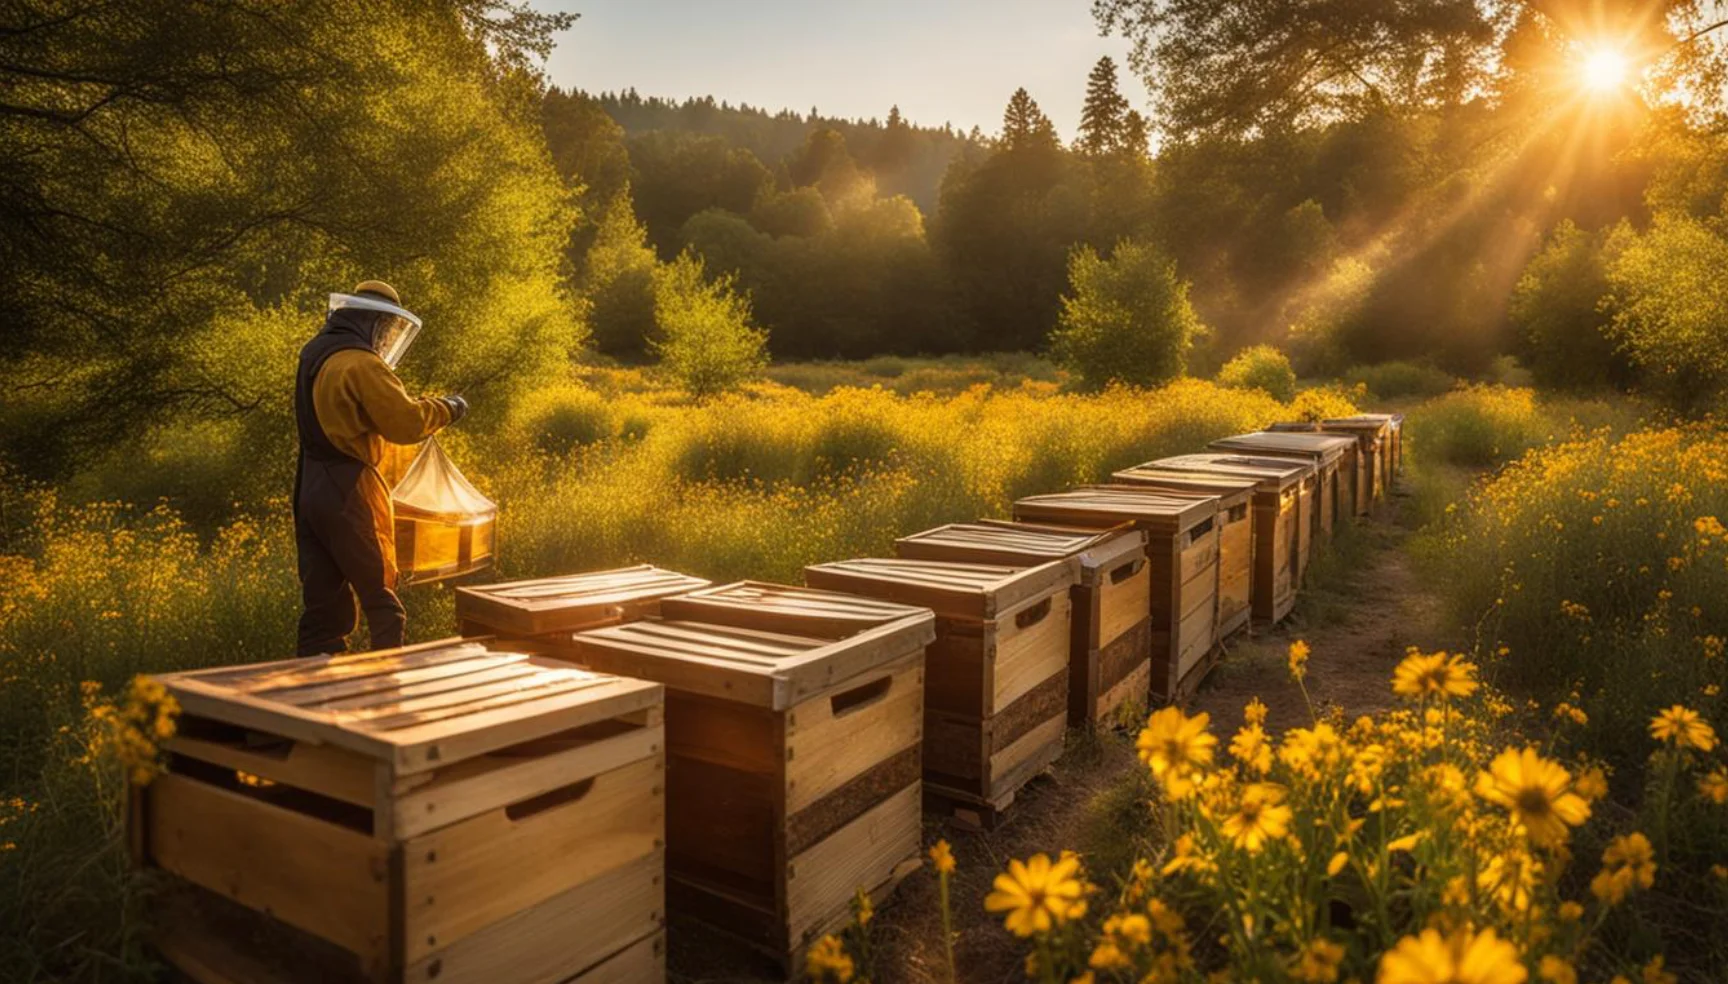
{"points": [[394, 334]]}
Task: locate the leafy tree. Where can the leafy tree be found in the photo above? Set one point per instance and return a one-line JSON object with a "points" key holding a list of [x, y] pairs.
{"points": [[1670, 303], [1104, 115], [588, 150], [617, 279], [706, 343], [1557, 308], [1261, 367], [1125, 318], [676, 175], [182, 184]]}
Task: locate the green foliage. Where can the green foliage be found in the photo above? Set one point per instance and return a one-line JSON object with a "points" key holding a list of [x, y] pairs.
{"points": [[706, 341], [1479, 426], [1125, 319], [1262, 367], [1670, 305], [1104, 116], [1557, 307], [560, 419], [1397, 380], [617, 279]]}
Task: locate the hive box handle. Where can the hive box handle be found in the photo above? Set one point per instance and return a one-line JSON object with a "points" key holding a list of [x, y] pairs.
{"points": [[1032, 616], [1127, 570], [517, 812], [859, 698]]}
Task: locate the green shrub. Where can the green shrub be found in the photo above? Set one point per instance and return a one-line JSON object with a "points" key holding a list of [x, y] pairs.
{"points": [[1557, 308], [707, 343], [1261, 367], [1670, 305], [1478, 426], [559, 419], [1397, 380], [1125, 318]]}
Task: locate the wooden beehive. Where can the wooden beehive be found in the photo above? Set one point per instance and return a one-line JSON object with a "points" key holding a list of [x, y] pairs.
{"points": [[1283, 499], [1110, 637], [551, 606], [1391, 433], [1334, 459], [996, 691], [441, 812], [1182, 540], [1235, 497], [794, 723], [1356, 470], [1374, 442]]}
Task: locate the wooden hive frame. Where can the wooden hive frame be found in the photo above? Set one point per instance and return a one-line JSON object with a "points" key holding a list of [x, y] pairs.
{"points": [[794, 723], [548, 606], [1109, 670], [996, 696], [442, 811], [1283, 499], [1182, 549], [1235, 536], [1333, 456]]}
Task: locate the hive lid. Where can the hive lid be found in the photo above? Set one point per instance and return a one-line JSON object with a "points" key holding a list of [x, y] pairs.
{"points": [[1275, 474], [1177, 480], [795, 610], [572, 601], [1011, 544], [1324, 448], [1231, 493], [1164, 514], [1391, 421], [960, 590], [418, 707], [766, 669]]}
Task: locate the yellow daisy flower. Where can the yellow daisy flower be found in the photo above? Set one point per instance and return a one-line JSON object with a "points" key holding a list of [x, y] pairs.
{"points": [[827, 961], [1683, 728], [1462, 958], [1434, 675], [1037, 895], [1318, 962], [1298, 659], [1536, 792], [1714, 786], [1177, 748], [1259, 817], [1252, 749], [942, 856]]}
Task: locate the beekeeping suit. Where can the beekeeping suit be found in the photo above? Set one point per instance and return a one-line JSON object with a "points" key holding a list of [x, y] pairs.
{"points": [[347, 404]]}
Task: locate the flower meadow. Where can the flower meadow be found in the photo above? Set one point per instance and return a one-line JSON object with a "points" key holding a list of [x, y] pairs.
{"points": [[1431, 844]]}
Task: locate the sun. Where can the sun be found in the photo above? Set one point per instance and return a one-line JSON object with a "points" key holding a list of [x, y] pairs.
{"points": [[1605, 70]]}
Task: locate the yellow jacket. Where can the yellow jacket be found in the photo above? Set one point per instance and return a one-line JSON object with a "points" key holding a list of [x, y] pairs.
{"points": [[361, 404]]}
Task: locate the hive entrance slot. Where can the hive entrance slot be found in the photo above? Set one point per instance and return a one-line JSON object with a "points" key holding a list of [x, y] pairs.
{"points": [[277, 794], [1204, 527], [1032, 616], [1125, 571], [859, 698], [518, 812]]}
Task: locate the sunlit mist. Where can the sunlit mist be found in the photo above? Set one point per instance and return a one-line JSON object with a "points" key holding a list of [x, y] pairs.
{"points": [[1605, 70]]}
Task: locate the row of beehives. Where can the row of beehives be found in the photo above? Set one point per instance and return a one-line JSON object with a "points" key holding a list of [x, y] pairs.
{"points": [[522, 804]]}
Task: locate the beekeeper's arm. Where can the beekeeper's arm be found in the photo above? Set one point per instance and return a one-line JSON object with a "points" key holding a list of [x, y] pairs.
{"points": [[384, 406]]}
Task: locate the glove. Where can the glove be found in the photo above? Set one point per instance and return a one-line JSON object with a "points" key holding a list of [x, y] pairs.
{"points": [[458, 407]]}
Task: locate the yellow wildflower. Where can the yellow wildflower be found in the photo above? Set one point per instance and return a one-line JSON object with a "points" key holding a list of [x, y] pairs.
{"points": [[1037, 895], [1462, 958], [1177, 748], [1254, 712], [942, 856], [827, 961], [1536, 792], [1654, 974], [1337, 863], [1556, 970], [1628, 862], [1434, 675], [1683, 728], [1259, 817], [1298, 659], [1592, 783], [1713, 786], [1251, 748], [1318, 962]]}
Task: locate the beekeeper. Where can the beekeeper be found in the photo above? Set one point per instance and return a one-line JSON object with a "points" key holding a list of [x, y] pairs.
{"points": [[347, 403]]}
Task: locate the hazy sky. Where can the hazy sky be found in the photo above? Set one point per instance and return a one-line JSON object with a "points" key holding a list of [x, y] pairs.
{"points": [[942, 61]]}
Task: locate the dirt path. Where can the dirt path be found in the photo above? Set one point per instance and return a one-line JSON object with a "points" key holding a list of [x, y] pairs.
{"points": [[1358, 618]]}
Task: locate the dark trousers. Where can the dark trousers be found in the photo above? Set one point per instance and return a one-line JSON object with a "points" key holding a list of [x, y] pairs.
{"points": [[347, 558]]}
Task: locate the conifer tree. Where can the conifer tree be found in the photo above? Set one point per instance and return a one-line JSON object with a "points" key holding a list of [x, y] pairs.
{"points": [[1024, 125], [1136, 135], [1103, 117]]}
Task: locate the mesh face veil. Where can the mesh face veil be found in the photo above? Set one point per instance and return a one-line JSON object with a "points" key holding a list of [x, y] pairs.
{"points": [[396, 330]]}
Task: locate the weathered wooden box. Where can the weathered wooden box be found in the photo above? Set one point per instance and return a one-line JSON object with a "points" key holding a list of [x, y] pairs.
{"points": [[1335, 462], [1283, 499], [1182, 550], [996, 693], [443, 812], [1387, 432], [794, 722], [551, 606], [1368, 473], [1235, 497], [1110, 639]]}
